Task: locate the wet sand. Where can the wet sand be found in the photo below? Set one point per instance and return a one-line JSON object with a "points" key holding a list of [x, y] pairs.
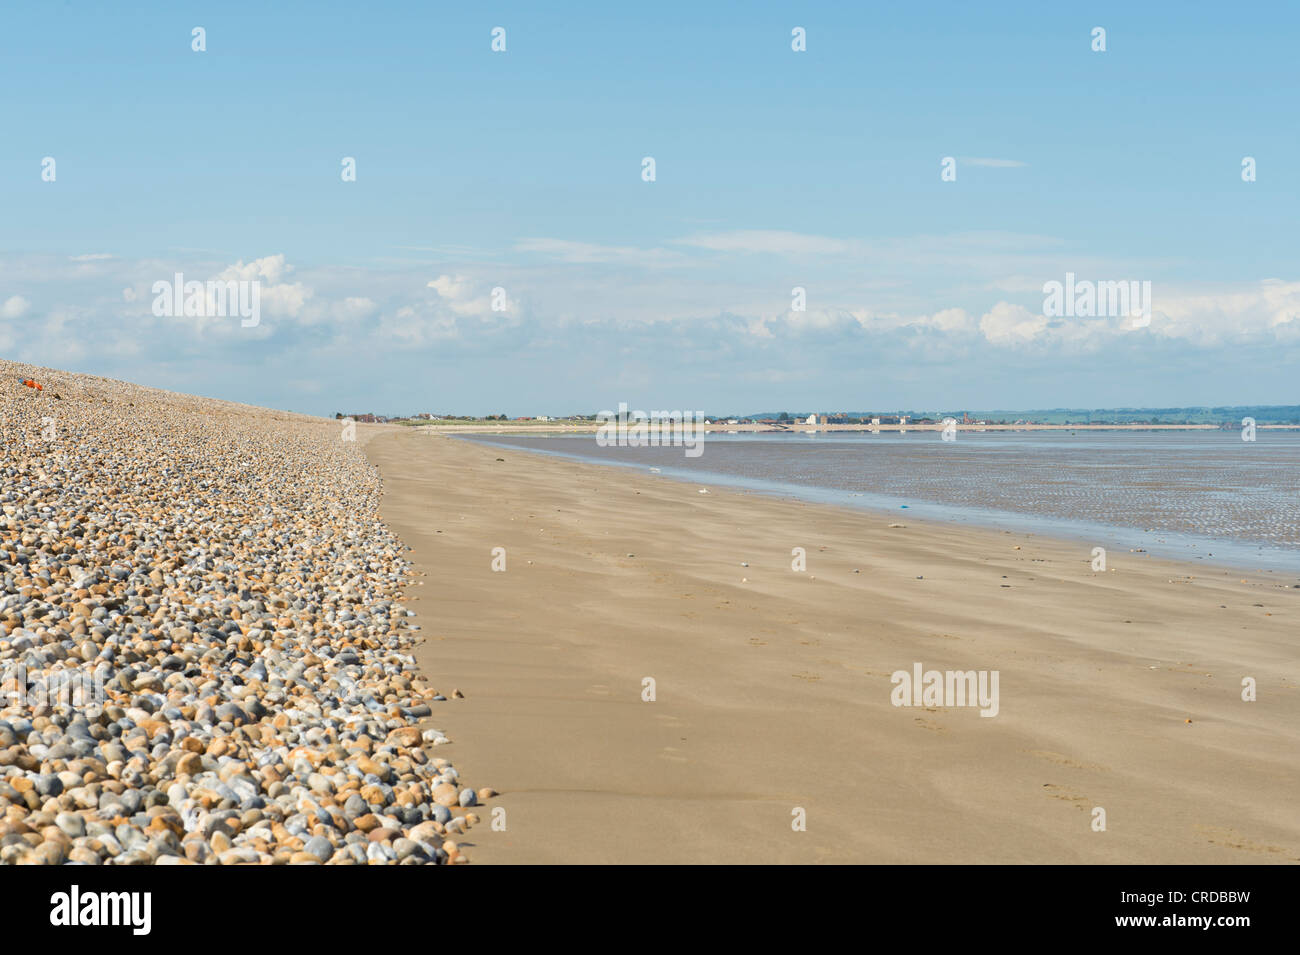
{"points": [[773, 686], [1202, 498]]}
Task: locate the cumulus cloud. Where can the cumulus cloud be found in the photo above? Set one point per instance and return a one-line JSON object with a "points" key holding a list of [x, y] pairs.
{"points": [[1269, 310], [1007, 324], [1258, 313], [418, 325], [452, 288], [269, 268], [950, 320], [279, 298], [877, 321], [461, 295], [473, 298], [735, 312], [14, 306]]}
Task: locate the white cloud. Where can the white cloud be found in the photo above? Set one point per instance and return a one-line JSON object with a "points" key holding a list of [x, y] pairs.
{"points": [[950, 320], [270, 268], [469, 297], [451, 288], [277, 298], [1270, 310], [873, 321], [14, 306], [461, 295], [739, 312], [416, 326], [1264, 312], [1007, 324]]}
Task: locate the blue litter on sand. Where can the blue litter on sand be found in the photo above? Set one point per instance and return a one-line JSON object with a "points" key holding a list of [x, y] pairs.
{"points": [[902, 506]]}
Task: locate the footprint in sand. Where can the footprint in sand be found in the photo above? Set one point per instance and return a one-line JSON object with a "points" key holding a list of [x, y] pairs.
{"points": [[1231, 839], [1057, 792], [1065, 760]]}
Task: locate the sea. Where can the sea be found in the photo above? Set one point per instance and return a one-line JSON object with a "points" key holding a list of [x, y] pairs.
{"points": [[1188, 495]]}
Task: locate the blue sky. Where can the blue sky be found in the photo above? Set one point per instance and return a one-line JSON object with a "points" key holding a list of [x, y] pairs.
{"points": [[774, 169]]}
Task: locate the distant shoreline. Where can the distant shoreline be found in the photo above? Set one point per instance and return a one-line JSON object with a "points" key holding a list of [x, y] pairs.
{"points": [[550, 427]]}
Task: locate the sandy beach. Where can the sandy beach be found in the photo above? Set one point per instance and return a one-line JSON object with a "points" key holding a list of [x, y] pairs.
{"points": [[638, 669], [1119, 690]]}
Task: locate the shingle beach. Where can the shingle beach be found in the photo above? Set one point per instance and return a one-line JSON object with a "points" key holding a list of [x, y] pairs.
{"points": [[204, 654]]}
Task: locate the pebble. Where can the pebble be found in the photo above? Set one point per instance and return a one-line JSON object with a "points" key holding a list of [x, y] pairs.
{"points": [[209, 615], [320, 848]]}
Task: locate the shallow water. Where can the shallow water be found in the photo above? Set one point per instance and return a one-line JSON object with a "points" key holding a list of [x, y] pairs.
{"points": [[1203, 495]]}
